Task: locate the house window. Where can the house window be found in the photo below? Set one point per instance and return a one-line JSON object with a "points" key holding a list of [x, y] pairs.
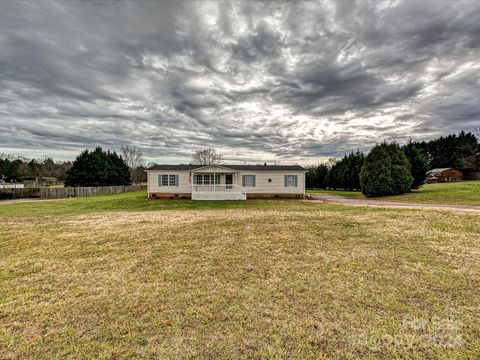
{"points": [[248, 180], [206, 179], [291, 180], [167, 180], [164, 180]]}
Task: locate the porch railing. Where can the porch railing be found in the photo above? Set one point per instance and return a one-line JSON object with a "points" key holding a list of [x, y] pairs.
{"points": [[218, 188]]}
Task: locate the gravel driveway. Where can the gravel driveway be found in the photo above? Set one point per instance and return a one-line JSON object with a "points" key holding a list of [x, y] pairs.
{"points": [[340, 200]]}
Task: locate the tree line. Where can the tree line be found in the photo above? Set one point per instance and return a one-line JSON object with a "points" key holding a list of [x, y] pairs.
{"points": [[391, 168], [90, 168], [460, 151], [387, 169], [18, 168]]}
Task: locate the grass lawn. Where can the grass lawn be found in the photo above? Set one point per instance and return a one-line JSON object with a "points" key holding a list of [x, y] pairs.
{"points": [[125, 277], [349, 193], [457, 193]]}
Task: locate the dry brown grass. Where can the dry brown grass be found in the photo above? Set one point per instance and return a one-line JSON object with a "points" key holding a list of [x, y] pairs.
{"points": [[306, 281]]}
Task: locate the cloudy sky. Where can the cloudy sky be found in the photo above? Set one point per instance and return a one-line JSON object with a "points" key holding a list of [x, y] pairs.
{"points": [[259, 81]]}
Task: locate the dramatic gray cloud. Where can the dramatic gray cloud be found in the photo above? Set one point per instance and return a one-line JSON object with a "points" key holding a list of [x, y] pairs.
{"points": [[260, 81]]}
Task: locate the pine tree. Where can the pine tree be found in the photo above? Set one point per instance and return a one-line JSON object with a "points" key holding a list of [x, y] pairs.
{"points": [[345, 174], [386, 171], [316, 177], [418, 164], [98, 168]]}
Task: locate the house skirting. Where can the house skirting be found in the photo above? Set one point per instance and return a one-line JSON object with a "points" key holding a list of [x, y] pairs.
{"points": [[173, 196], [269, 196]]}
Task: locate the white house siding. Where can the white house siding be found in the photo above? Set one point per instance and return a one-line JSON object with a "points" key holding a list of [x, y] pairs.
{"points": [[184, 187], [262, 185], [276, 186]]}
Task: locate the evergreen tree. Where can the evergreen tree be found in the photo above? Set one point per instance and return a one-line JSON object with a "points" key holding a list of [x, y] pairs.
{"points": [[334, 176], [98, 168], [321, 176], [345, 174], [310, 177], [459, 151], [316, 177], [386, 171], [418, 164], [9, 169], [351, 170]]}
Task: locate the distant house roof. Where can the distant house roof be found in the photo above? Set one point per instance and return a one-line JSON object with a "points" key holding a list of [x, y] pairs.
{"points": [[234, 167], [438, 171]]}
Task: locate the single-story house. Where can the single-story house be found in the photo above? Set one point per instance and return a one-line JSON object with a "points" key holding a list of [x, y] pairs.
{"points": [[4, 185], [444, 175], [225, 182]]}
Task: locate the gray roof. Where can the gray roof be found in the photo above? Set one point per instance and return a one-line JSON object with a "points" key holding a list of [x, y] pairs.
{"points": [[438, 170], [234, 167]]}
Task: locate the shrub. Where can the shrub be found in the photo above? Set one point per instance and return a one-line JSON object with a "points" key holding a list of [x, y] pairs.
{"points": [[418, 164], [98, 168], [385, 171]]}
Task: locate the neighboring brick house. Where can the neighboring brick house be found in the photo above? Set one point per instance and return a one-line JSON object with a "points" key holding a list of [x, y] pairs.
{"points": [[444, 175]]}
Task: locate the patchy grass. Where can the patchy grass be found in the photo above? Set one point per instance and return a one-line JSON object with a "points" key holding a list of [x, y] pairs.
{"points": [[132, 201], [256, 279], [458, 193], [348, 193]]}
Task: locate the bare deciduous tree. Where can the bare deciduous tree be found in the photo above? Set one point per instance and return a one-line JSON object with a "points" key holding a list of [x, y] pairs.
{"points": [[469, 154], [331, 161], [133, 156], [10, 157], [207, 156]]}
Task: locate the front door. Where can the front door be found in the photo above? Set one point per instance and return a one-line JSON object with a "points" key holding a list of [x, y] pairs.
{"points": [[228, 181]]}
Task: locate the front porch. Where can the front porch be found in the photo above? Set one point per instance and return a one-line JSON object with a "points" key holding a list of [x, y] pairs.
{"points": [[216, 183]]}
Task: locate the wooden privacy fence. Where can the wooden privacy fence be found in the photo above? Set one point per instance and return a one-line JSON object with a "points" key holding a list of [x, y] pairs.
{"points": [[59, 193]]}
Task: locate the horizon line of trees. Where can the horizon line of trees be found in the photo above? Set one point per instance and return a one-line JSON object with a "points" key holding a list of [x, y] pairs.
{"points": [[91, 167], [14, 168], [460, 150], [20, 168]]}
